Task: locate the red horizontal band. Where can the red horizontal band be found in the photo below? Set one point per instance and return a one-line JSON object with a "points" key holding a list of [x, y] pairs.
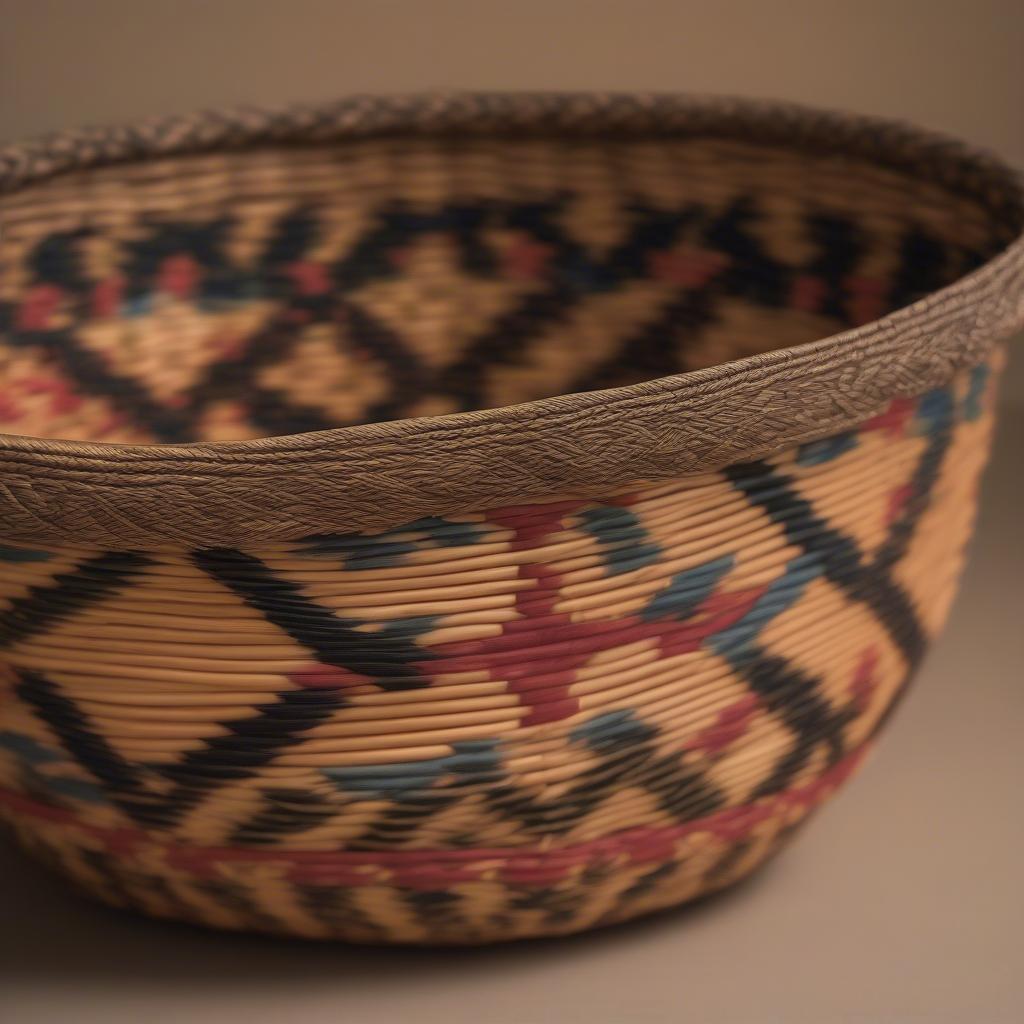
{"points": [[429, 869]]}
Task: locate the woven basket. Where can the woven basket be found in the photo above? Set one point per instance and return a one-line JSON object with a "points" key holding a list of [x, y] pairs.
{"points": [[441, 520]]}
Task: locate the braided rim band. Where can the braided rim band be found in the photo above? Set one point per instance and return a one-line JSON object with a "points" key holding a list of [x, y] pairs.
{"points": [[378, 475]]}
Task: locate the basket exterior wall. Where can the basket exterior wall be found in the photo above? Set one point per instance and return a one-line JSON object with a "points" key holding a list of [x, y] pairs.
{"points": [[509, 722]]}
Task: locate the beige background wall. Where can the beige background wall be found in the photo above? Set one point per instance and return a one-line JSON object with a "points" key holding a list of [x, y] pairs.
{"points": [[903, 903], [952, 64]]}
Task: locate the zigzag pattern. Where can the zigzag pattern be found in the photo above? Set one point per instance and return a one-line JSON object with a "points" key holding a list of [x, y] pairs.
{"points": [[72, 338]]}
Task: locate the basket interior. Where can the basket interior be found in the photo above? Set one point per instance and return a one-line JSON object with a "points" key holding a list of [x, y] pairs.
{"points": [[274, 291]]}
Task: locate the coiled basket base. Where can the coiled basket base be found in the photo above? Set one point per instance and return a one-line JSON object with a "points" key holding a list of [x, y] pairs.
{"points": [[438, 897]]}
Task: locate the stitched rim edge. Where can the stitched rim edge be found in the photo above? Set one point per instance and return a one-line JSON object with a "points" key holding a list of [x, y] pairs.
{"points": [[378, 475]]}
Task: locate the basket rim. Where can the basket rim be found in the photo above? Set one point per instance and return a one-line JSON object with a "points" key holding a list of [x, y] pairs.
{"points": [[378, 475]]}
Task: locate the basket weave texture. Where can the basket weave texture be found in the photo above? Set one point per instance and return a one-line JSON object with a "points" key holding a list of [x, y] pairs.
{"points": [[457, 519]]}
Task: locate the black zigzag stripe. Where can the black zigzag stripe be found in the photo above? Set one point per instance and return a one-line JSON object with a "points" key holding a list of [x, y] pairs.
{"points": [[121, 780], [91, 375], [235, 377], [572, 274], [237, 899], [682, 791], [922, 483], [45, 605], [869, 582], [336, 907], [284, 812], [795, 696], [407, 374], [57, 260], [840, 558], [654, 350], [398, 223], [721, 870], [152, 886], [109, 879], [901, 532], [388, 659], [403, 820], [840, 244], [437, 910], [254, 741], [922, 267], [556, 905], [276, 415], [246, 745], [504, 343], [647, 883]]}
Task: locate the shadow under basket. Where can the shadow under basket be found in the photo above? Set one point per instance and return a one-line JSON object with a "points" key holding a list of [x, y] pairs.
{"points": [[469, 518]]}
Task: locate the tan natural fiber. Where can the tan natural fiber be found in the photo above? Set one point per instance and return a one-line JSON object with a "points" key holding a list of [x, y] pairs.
{"points": [[454, 519]]}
